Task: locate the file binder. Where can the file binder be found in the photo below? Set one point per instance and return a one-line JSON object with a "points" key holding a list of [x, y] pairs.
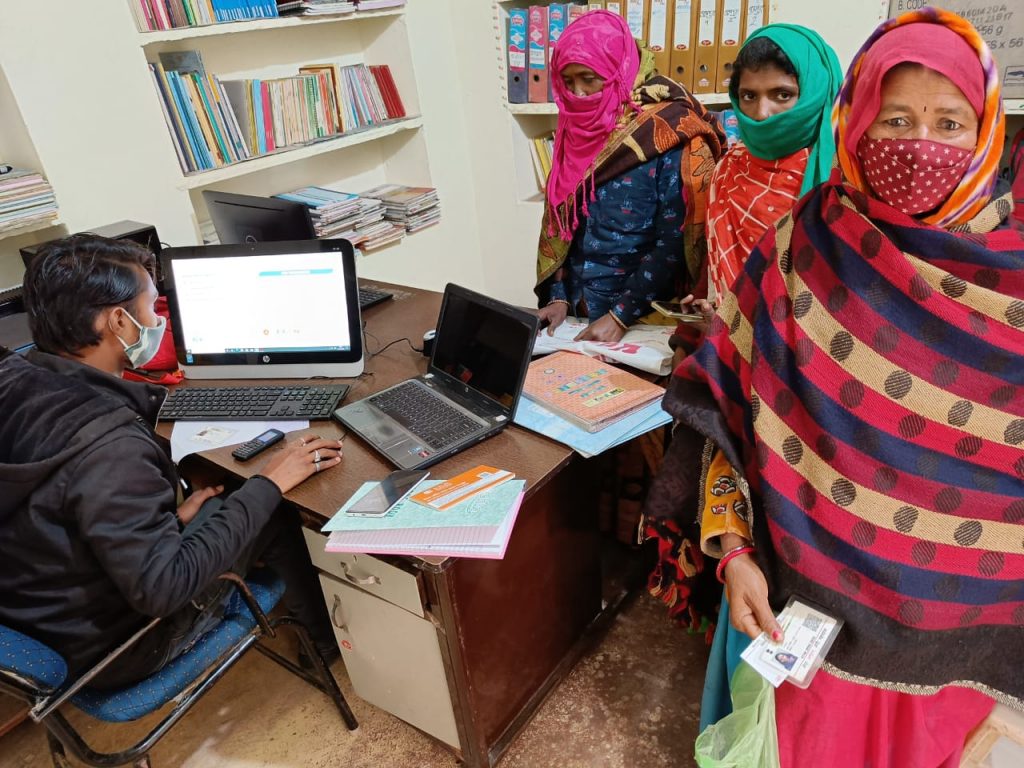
{"points": [[557, 19], [729, 27], [616, 6], [637, 13], [706, 53], [538, 58], [517, 75], [755, 16], [659, 28], [599, 6], [575, 11], [684, 25]]}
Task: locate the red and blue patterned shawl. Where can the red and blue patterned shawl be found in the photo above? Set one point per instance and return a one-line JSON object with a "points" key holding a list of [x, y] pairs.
{"points": [[869, 372]]}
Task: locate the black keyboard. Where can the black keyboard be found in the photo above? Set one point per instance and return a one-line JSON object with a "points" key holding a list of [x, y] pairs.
{"points": [[425, 414], [370, 296], [273, 403]]}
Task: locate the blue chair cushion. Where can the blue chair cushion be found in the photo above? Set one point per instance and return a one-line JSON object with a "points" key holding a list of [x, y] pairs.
{"points": [[31, 661], [130, 703]]}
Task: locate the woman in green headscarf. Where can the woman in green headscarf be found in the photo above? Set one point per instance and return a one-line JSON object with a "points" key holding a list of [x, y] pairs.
{"points": [[784, 83]]}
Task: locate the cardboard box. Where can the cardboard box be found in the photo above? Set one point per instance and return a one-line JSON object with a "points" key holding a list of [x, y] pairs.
{"points": [[1001, 24]]}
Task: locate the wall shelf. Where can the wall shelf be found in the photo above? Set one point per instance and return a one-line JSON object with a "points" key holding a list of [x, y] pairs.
{"points": [[259, 25], [284, 156], [30, 226], [716, 99]]}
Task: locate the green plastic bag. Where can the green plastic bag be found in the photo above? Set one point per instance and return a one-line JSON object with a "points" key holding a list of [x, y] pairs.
{"points": [[746, 738]]}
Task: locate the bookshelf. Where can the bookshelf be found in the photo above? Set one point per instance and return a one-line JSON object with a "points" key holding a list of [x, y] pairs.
{"points": [[259, 25], [294, 154], [30, 227]]}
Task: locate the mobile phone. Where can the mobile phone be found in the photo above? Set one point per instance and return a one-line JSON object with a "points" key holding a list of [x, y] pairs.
{"points": [[677, 310], [391, 490], [246, 451]]}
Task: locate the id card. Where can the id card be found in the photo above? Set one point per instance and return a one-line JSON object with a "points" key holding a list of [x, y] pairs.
{"points": [[808, 634]]}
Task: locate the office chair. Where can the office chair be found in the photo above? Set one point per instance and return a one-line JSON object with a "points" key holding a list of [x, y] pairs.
{"points": [[36, 674]]}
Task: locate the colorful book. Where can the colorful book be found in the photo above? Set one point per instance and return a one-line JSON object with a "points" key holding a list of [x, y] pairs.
{"points": [[585, 391]]}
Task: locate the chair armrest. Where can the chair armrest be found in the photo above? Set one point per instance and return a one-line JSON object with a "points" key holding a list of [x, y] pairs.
{"points": [[246, 594]]}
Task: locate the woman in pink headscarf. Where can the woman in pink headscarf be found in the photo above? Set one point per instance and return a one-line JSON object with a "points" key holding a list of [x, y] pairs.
{"points": [[625, 199]]}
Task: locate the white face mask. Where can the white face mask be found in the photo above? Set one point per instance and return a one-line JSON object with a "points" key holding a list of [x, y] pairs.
{"points": [[145, 349]]}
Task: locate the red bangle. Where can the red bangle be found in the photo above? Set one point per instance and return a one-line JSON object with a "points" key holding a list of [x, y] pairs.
{"points": [[745, 549]]}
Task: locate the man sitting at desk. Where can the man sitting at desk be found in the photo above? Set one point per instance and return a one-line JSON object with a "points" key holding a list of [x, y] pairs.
{"points": [[92, 538]]}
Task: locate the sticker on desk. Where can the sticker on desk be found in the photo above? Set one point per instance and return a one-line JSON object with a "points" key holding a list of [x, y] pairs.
{"points": [[808, 634], [447, 494]]}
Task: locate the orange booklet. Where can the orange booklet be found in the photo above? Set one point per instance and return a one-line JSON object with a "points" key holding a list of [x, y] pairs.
{"points": [[587, 392], [461, 487]]}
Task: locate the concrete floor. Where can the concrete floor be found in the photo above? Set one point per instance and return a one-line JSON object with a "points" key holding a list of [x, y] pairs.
{"points": [[632, 701]]}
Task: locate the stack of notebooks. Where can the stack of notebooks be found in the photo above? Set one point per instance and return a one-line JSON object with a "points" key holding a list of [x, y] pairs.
{"points": [[151, 15], [217, 122], [413, 208], [359, 220], [587, 404], [26, 198], [315, 7], [478, 527], [376, 5]]}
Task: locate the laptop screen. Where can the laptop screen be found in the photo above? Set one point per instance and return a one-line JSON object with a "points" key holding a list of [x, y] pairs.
{"points": [[283, 302], [482, 347]]}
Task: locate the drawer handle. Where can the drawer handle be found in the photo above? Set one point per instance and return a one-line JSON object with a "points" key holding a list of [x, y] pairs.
{"points": [[369, 581], [334, 615]]}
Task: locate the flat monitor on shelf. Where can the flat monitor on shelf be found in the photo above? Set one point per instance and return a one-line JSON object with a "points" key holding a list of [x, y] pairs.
{"points": [[251, 219], [265, 310]]}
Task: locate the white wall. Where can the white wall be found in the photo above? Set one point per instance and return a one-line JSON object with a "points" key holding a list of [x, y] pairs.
{"points": [[77, 75], [79, 79]]}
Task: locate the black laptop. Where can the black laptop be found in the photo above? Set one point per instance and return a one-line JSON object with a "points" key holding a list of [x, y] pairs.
{"points": [[469, 392]]}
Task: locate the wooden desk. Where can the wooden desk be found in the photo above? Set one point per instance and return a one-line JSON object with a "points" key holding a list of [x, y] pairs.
{"points": [[507, 630]]}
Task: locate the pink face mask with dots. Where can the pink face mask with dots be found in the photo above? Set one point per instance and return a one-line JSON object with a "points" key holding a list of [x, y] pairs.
{"points": [[912, 175]]}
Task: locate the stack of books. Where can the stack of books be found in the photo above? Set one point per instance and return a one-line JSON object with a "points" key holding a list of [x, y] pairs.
{"points": [[151, 15], [26, 198], [217, 122], [587, 404], [542, 150], [376, 5], [315, 7], [478, 526], [414, 208], [344, 215]]}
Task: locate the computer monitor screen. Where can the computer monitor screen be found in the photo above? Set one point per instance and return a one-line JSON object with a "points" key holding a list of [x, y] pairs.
{"points": [[483, 345], [261, 306], [251, 219]]}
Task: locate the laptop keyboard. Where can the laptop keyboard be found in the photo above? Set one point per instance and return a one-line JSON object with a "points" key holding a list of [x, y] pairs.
{"points": [[425, 414]]}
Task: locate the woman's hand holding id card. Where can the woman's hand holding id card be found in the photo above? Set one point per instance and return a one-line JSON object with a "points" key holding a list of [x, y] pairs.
{"points": [[808, 634]]}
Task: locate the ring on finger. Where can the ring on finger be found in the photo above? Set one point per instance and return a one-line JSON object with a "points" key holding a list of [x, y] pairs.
{"points": [[316, 457], [316, 466]]}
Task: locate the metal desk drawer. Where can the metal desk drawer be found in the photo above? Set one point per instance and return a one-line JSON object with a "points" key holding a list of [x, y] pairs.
{"points": [[368, 573]]}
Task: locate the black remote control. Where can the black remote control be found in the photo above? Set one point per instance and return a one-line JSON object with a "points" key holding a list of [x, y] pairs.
{"points": [[246, 451]]}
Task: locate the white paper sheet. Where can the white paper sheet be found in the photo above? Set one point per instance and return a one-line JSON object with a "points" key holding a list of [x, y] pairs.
{"points": [[194, 436], [644, 347]]}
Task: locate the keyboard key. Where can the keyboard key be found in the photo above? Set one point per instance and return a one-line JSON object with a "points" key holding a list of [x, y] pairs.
{"points": [[426, 415]]}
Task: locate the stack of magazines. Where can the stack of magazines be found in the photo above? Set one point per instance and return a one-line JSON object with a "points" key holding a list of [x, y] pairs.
{"points": [[414, 208], [25, 198], [315, 7], [344, 215]]}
